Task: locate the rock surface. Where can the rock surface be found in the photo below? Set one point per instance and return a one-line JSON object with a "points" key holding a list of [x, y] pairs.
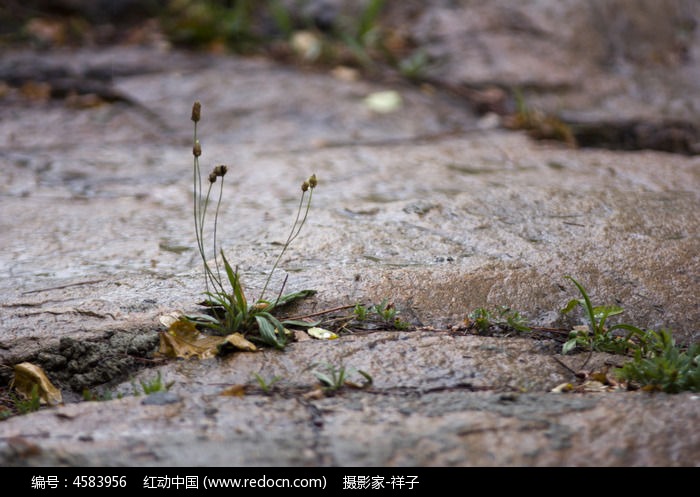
{"points": [[424, 206]]}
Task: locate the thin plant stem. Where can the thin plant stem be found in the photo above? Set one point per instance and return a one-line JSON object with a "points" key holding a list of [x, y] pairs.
{"points": [[303, 221], [197, 194], [216, 224], [279, 294], [235, 313], [203, 215], [215, 282], [292, 235], [200, 212]]}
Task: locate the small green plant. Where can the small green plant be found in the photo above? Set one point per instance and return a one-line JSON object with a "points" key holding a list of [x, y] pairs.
{"points": [[385, 310], [230, 311], [361, 35], [661, 365], [361, 312], [400, 324], [266, 385], [282, 17], [31, 404], [598, 336], [333, 378], [367, 26], [211, 22], [388, 313], [658, 363], [147, 387], [538, 124], [153, 385], [415, 65], [502, 317], [383, 315]]}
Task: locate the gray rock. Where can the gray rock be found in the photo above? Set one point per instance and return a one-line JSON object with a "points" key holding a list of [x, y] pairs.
{"points": [[161, 399], [420, 206]]}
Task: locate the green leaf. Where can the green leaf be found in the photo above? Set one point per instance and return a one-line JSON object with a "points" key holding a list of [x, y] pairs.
{"points": [[237, 322], [339, 376], [604, 311], [273, 320], [572, 305], [267, 332], [569, 346], [588, 308], [215, 299], [281, 332], [367, 376], [234, 280], [291, 297], [633, 330], [202, 318], [301, 324], [325, 379]]}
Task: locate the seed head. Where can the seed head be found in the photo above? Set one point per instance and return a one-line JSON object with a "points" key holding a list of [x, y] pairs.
{"points": [[197, 149], [212, 177], [313, 181], [304, 186], [220, 170], [196, 111]]}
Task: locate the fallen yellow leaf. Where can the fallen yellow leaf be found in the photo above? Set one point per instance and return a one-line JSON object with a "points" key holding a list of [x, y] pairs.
{"points": [[237, 341], [564, 387], [28, 376], [322, 333]]}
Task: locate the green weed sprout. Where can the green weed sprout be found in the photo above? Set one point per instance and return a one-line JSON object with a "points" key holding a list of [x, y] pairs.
{"points": [[30, 404], [665, 367], [21, 405], [230, 310], [658, 363], [389, 314], [386, 310], [384, 313], [361, 312], [504, 317], [155, 385], [333, 378], [266, 385], [362, 34], [598, 336]]}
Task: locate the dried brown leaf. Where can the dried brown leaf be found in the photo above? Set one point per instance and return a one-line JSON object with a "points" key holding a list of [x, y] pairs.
{"points": [[176, 347], [183, 340], [234, 391]]}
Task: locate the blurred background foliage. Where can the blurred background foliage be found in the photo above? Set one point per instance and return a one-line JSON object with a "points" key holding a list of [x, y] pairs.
{"points": [[356, 32], [504, 57], [332, 30], [311, 32]]}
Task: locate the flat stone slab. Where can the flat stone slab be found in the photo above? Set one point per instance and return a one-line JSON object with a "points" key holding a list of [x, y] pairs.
{"points": [[422, 206], [432, 403], [442, 428]]}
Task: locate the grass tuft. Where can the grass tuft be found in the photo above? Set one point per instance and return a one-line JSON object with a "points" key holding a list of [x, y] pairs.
{"points": [[229, 310]]}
